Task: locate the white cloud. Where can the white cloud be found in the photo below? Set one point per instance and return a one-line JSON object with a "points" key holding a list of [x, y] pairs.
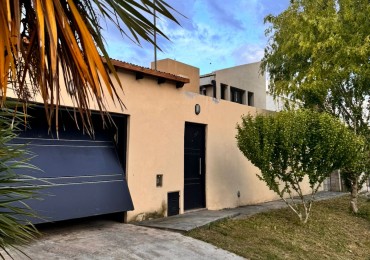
{"points": [[215, 35], [249, 53]]}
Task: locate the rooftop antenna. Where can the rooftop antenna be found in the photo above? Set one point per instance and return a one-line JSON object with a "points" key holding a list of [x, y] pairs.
{"points": [[155, 35]]}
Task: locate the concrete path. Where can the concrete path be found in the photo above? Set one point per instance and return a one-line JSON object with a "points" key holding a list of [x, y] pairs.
{"points": [[246, 211], [103, 239], [192, 220], [188, 221]]}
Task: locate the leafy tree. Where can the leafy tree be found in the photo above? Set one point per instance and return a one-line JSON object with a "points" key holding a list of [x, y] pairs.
{"points": [[42, 40], [15, 231], [319, 54], [293, 147]]}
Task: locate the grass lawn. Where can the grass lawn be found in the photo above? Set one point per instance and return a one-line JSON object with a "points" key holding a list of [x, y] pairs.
{"points": [[332, 232]]}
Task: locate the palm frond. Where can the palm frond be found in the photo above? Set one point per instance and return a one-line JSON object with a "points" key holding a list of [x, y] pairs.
{"points": [[15, 230], [41, 36]]}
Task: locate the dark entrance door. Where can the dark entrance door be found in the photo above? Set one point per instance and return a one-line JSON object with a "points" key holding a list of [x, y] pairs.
{"points": [[194, 169]]}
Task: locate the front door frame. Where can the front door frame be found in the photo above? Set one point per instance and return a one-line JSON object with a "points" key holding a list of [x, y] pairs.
{"points": [[200, 167]]}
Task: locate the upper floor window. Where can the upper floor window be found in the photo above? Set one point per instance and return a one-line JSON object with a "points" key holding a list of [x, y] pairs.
{"points": [[250, 99], [203, 91], [237, 95], [223, 91], [214, 88]]}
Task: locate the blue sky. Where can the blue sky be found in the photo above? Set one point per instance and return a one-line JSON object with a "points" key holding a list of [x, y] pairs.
{"points": [[216, 34]]}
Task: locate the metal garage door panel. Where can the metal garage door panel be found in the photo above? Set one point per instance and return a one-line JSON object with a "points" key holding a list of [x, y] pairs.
{"points": [[58, 158], [79, 180], [62, 202], [80, 177]]}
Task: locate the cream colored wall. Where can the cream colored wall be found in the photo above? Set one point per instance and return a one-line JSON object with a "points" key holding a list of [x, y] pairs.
{"points": [[246, 77], [157, 116], [156, 146], [180, 69]]}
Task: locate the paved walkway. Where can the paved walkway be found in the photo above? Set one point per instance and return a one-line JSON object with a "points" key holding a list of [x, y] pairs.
{"points": [[188, 221], [108, 240], [194, 219]]}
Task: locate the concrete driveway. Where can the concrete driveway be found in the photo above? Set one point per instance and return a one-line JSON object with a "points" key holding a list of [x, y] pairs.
{"points": [[105, 239]]}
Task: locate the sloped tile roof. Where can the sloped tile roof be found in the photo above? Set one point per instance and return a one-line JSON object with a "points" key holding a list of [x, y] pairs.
{"points": [[180, 81]]}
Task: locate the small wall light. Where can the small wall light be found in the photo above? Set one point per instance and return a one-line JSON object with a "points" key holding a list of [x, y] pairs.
{"points": [[197, 109], [71, 89]]}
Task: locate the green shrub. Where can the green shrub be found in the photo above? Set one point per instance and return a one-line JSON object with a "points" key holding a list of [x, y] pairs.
{"points": [[290, 146]]}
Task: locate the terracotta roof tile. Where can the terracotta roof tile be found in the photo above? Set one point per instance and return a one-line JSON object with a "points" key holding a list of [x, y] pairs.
{"points": [[161, 76]]}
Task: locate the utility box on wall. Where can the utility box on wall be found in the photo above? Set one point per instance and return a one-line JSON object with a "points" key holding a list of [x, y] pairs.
{"points": [[173, 203]]}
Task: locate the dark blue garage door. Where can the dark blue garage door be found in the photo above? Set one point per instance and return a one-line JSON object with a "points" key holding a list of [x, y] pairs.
{"points": [[80, 176]]}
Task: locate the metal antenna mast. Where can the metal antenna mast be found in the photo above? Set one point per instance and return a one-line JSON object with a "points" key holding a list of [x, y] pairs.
{"points": [[155, 36]]}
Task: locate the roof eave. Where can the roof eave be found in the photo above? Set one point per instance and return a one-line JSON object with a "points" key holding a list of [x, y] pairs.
{"points": [[142, 71]]}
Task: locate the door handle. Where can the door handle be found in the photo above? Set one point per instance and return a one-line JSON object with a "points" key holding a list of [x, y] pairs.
{"points": [[200, 165]]}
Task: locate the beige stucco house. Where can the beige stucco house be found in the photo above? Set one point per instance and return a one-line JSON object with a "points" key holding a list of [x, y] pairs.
{"points": [[243, 84], [159, 117], [177, 149]]}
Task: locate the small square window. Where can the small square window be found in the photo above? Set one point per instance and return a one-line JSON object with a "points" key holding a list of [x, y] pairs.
{"points": [[237, 95]]}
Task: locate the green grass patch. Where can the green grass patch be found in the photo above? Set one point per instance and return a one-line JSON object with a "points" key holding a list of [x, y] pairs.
{"points": [[332, 232]]}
